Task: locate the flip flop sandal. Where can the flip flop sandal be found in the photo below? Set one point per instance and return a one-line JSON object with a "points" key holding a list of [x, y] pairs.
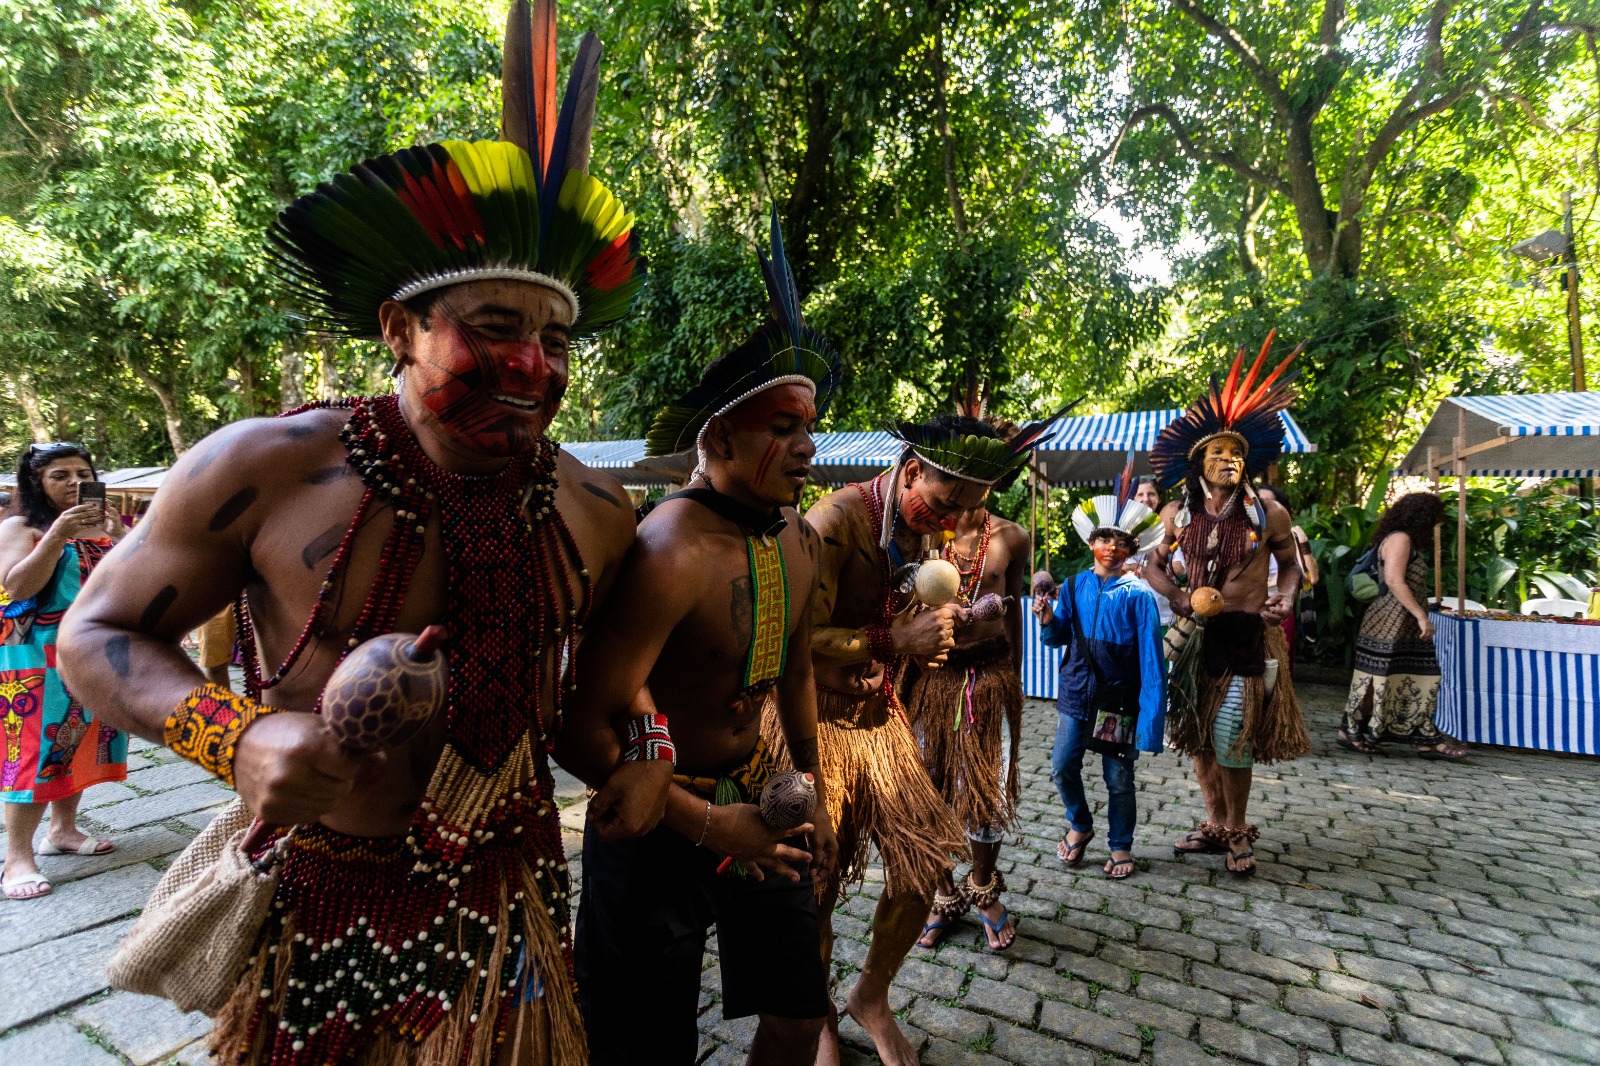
{"points": [[1360, 747], [25, 881], [90, 846], [993, 929], [1065, 851], [1433, 755], [935, 926], [1116, 864], [1237, 857], [1209, 845]]}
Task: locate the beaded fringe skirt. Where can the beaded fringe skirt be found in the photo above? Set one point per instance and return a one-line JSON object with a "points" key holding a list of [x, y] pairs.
{"points": [[878, 795], [958, 714]]}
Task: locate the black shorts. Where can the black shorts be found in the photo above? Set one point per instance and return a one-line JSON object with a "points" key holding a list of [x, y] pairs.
{"points": [[646, 908]]}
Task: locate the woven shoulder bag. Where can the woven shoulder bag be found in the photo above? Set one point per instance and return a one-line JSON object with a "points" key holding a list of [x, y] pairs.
{"points": [[199, 927]]}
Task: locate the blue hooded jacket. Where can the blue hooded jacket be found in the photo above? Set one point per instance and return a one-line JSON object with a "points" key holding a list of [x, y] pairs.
{"points": [[1122, 629]]}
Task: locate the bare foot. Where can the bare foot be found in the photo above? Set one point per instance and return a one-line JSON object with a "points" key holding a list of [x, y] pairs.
{"points": [[828, 1041], [998, 927], [876, 1018]]}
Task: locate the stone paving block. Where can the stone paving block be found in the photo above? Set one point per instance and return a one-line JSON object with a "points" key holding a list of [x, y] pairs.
{"points": [[1027, 1048], [60, 972], [1007, 1001], [1144, 914], [1501, 918], [1354, 988], [1062, 935], [1303, 1032], [944, 1053], [1569, 969], [1311, 955], [105, 794], [147, 809], [1144, 1012], [1246, 1044], [54, 1043], [1483, 994], [951, 1023], [1107, 1034], [1223, 932], [1169, 1050], [1556, 1039], [76, 906], [1314, 1003], [1454, 1012], [1095, 971], [1158, 962], [169, 776], [930, 979], [1243, 960], [1184, 997], [1237, 985], [1384, 971], [1178, 944], [140, 845], [1458, 1043], [1047, 983], [1575, 1015], [1461, 948], [144, 1028], [1368, 1048]]}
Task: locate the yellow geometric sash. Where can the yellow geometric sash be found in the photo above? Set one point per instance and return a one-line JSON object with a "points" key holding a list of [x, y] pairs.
{"points": [[769, 633]]}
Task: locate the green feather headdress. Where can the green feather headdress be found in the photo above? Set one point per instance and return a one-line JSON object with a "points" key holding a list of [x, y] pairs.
{"points": [[521, 208], [985, 460], [784, 351]]}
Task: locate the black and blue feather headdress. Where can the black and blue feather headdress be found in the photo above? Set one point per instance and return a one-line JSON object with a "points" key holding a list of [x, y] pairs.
{"points": [[984, 459], [784, 351], [1241, 409]]}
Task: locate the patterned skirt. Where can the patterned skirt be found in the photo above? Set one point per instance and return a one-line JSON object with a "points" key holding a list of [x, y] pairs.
{"points": [[1395, 690]]}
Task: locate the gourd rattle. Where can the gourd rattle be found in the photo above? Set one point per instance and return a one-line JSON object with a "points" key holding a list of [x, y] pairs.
{"points": [[937, 582], [1044, 586], [1205, 602], [787, 800], [386, 689], [990, 607]]}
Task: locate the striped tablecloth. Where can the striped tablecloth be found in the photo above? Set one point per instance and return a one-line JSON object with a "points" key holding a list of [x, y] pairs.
{"points": [[1519, 683], [1041, 666]]}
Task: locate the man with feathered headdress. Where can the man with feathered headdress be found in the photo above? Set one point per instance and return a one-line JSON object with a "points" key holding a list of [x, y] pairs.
{"points": [[420, 904], [1231, 698], [967, 713], [713, 611], [863, 630]]}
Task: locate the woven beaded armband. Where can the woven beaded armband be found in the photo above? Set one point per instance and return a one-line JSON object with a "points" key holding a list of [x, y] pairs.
{"points": [[206, 726], [648, 740], [880, 645]]}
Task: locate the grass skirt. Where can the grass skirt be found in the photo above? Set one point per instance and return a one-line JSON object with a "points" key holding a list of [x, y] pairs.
{"points": [[959, 713], [1274, 730], [878, 794]]}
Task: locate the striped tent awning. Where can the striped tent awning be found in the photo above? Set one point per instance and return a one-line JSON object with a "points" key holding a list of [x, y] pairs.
{"points": [[622, 459], [1542, 435], [1092, 449]]}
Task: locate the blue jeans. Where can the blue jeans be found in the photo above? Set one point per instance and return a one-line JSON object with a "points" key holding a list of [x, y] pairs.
{"points": [[1066, 769]]}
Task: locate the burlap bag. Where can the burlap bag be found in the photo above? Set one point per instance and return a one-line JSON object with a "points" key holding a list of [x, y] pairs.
{"points": [[193, 941]]}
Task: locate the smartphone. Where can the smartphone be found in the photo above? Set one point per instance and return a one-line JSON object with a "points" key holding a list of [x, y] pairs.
{"points": [[93, 492]]}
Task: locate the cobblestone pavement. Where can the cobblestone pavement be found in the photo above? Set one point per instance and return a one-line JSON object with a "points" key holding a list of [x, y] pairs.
{"points": [[1405, 912]]}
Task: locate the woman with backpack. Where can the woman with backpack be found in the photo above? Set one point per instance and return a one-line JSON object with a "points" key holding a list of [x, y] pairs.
{"points": [[1395, 690]]}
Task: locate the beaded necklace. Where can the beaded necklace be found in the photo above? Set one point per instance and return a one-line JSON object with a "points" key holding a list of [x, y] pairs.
{"points": [[872, 494], [971, 579], [392, 933]]}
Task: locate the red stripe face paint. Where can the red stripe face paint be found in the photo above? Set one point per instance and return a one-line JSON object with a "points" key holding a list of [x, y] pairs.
{"points": [[772, 447]]}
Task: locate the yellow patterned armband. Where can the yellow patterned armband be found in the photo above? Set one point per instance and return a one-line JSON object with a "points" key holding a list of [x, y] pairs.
{"points": [[205, 728]]}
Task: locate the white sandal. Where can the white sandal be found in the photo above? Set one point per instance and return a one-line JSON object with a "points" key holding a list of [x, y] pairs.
{"points": [[90, 846], [10, 887]]}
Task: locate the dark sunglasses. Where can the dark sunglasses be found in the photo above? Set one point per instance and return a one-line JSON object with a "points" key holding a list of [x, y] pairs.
{"points": [[55, 446]]}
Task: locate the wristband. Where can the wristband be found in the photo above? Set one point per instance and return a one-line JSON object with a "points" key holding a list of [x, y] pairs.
{"points": [[648, 740], [880, 645], [205, 728]]}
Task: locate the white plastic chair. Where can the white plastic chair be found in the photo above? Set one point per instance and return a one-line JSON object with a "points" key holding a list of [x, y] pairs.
{"points": [[1450, 602], [1554, 607]]}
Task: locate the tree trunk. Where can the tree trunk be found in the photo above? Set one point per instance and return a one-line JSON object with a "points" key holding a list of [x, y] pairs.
{"points": [[958, 207], [291, 378], [328, 353], [1310, 209], [167, 396], [28, 398]]}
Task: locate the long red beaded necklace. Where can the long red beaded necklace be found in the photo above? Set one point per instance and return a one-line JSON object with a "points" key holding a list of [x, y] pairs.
{"points": [[872, 493], [390, 934], [971, 578]]}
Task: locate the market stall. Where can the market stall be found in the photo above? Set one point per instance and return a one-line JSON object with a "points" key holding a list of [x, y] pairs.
{"points": [[1513, 680]]}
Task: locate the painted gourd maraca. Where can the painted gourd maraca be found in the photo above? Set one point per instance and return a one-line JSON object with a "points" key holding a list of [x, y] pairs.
{"points": [[386, 689], [938, 582], [990, 607], [788, 799], [1205, 602], [1044, 586]]}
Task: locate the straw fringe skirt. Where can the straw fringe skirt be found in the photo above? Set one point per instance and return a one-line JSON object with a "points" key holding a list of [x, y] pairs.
{"points": [[960, 714], [878, 794], [1274, 730]]}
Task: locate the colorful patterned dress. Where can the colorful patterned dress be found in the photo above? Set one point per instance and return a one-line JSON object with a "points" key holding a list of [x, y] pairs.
{"points": [[53, 745], [1398, 668]]}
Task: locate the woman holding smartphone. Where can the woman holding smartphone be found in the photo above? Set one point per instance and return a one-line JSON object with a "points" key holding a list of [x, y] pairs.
{"points": [[53, 746]]}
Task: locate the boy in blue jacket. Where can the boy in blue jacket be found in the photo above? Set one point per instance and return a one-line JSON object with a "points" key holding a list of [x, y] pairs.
{"points": [[1112, 691]]}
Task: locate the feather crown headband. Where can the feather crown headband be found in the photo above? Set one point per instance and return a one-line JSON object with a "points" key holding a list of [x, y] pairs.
{"points": [[1119, 511], [1242, 409], [983, 459], [784, 351], [521, 208]]}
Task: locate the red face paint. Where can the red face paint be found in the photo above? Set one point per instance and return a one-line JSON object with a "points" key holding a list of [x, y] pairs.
{"points": [[492, 388], [919, 516], [1109, 554], [772, 445]]}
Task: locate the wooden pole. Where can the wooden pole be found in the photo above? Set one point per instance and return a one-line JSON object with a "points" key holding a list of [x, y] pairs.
{"points": [[1438, 534], [1047, 525], [1461, 510], [1033, 509], [1569, 255]]}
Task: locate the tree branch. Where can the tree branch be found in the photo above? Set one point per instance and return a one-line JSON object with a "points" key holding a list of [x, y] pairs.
{"points": [[1186, 144], [1234, 41], [952, 185]]}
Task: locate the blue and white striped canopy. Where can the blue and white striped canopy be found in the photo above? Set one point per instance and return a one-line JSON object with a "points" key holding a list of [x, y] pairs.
{"points": [[621, 459], [1092, 449], [1555, 434]]}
